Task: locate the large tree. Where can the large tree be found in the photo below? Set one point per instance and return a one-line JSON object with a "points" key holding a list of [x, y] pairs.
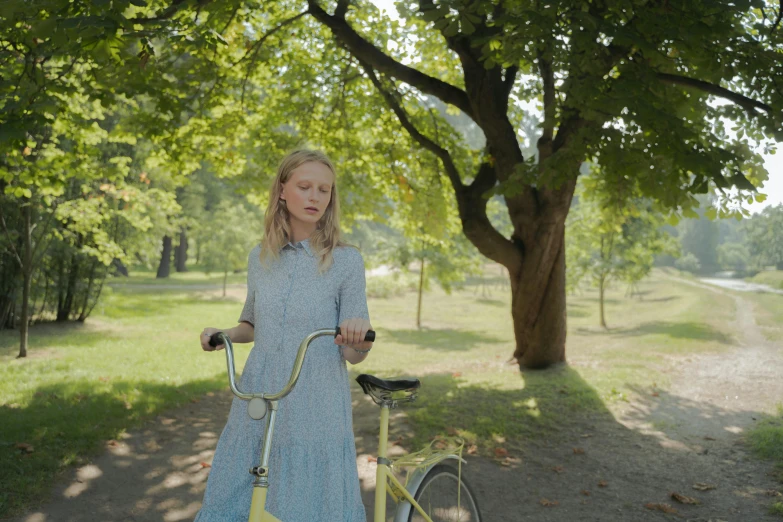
{"points": [[633, 83]]}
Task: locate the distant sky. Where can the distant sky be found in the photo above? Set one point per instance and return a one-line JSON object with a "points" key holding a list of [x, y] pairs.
{"points": [[773, 188]]}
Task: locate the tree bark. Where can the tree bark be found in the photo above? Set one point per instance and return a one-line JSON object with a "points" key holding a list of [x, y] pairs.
{"points": [[27, 273], [601, 292], [164, 268], [421, 291], [538, 303], [181, 253], [64, 311], [119, 267]]}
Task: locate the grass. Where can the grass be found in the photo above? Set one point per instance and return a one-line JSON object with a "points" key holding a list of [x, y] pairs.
{"points": [[766, 440], [773, 278], [85, 384], [137, 356], [776, 509], [768, 311], [146, 277]]}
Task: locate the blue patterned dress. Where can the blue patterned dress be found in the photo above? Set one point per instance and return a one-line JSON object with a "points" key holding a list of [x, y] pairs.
{"points": [[312, 467]]}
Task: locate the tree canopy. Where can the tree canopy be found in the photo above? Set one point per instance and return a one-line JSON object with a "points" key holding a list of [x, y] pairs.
{"points": [[671, 99]]}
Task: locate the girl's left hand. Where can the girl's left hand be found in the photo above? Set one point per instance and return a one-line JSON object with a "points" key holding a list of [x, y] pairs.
{"points": [[352, 332]]}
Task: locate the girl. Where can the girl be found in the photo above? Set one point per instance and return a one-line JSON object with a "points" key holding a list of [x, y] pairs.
{"points": [[301, 278]]}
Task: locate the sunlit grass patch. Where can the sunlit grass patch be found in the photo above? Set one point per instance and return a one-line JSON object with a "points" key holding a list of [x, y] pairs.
{"points": [[766, 440]]}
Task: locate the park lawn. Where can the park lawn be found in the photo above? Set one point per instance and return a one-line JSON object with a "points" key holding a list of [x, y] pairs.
{"points": [[146, 277], [768, 311], [82, 385], [137, 356], [462, 356], [773, 278]]}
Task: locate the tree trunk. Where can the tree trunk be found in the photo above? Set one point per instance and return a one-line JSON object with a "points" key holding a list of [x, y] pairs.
{"points": [[119, 267], [27, 273], [421, 291], [225, 281], [601, 293], [181, 253], [64, 312], [538, 303], [91, 280], [164, 268]]}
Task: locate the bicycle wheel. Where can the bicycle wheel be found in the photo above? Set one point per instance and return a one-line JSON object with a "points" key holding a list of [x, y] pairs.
{"points": [[437, 495]]}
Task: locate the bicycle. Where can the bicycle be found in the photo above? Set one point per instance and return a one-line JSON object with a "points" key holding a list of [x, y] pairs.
{"points": [[433, 492]]}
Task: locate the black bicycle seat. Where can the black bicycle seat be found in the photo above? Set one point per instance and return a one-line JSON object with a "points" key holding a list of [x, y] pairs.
{"points": [[383, 390]]}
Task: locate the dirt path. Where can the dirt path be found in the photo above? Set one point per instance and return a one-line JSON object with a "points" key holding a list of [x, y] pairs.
{"points": [[602, 468]]}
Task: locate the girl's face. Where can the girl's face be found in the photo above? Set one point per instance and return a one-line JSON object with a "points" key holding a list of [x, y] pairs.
{"points": [[307, 192]]}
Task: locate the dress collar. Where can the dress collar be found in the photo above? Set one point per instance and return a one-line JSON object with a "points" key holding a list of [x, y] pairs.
{"points": [[305, 243]]}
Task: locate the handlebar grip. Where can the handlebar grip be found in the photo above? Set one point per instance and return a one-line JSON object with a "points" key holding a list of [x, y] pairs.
{"points": [[370, 336], [215, 340]]}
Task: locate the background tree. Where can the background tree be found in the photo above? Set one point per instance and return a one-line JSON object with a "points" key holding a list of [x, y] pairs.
{"points": [[612, 243], [764, 237], [228, 237]]}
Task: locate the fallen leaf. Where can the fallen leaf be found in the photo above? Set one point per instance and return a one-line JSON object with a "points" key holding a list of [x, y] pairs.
{"points": [[451, 430], [103, 379], [372, 459], [456, 374], [703, 486], [666, 508], [26, 448], [558, 469], [586, 435], [206, 465], [472, 449], [585, 492], [27, 151], [548, 503], [683, 499], [603, 484], [655, 394], [579, 451], [510, 460], [501, 452]]}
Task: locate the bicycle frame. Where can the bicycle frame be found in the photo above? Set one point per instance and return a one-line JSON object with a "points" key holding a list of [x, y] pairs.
{"points": [[261, 403]]}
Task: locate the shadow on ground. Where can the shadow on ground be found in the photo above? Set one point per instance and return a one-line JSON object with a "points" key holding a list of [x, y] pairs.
{"points": [[675, 330], [447, 339], [67, 423], [567, 458]]}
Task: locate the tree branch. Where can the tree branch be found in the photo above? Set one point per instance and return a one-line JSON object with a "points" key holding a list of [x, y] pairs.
{"points": [[470, 200], [548, 82], [777, 21], [174, 8], [509, 79], [746, 103], [341, 9], [424, 141], [374, 57]]}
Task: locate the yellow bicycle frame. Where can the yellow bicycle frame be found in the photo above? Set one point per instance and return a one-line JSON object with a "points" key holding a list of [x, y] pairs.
{"points": [[383, 475]]}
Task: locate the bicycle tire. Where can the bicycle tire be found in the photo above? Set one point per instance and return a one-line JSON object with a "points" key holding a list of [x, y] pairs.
{"points": [[437, 495]]}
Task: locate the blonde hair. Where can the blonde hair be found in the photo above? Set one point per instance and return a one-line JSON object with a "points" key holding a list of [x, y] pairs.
{"points": [[277, 228]]}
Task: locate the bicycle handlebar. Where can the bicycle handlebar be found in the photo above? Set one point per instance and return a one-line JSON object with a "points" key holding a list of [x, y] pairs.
{"points": [[221, 338]]}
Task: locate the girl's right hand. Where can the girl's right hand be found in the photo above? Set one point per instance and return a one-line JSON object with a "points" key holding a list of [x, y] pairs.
{"points": [[204, 338]]}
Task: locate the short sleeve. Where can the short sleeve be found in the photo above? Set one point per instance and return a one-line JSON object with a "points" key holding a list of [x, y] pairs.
{"points": [[352, 298], [248, 314]]}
